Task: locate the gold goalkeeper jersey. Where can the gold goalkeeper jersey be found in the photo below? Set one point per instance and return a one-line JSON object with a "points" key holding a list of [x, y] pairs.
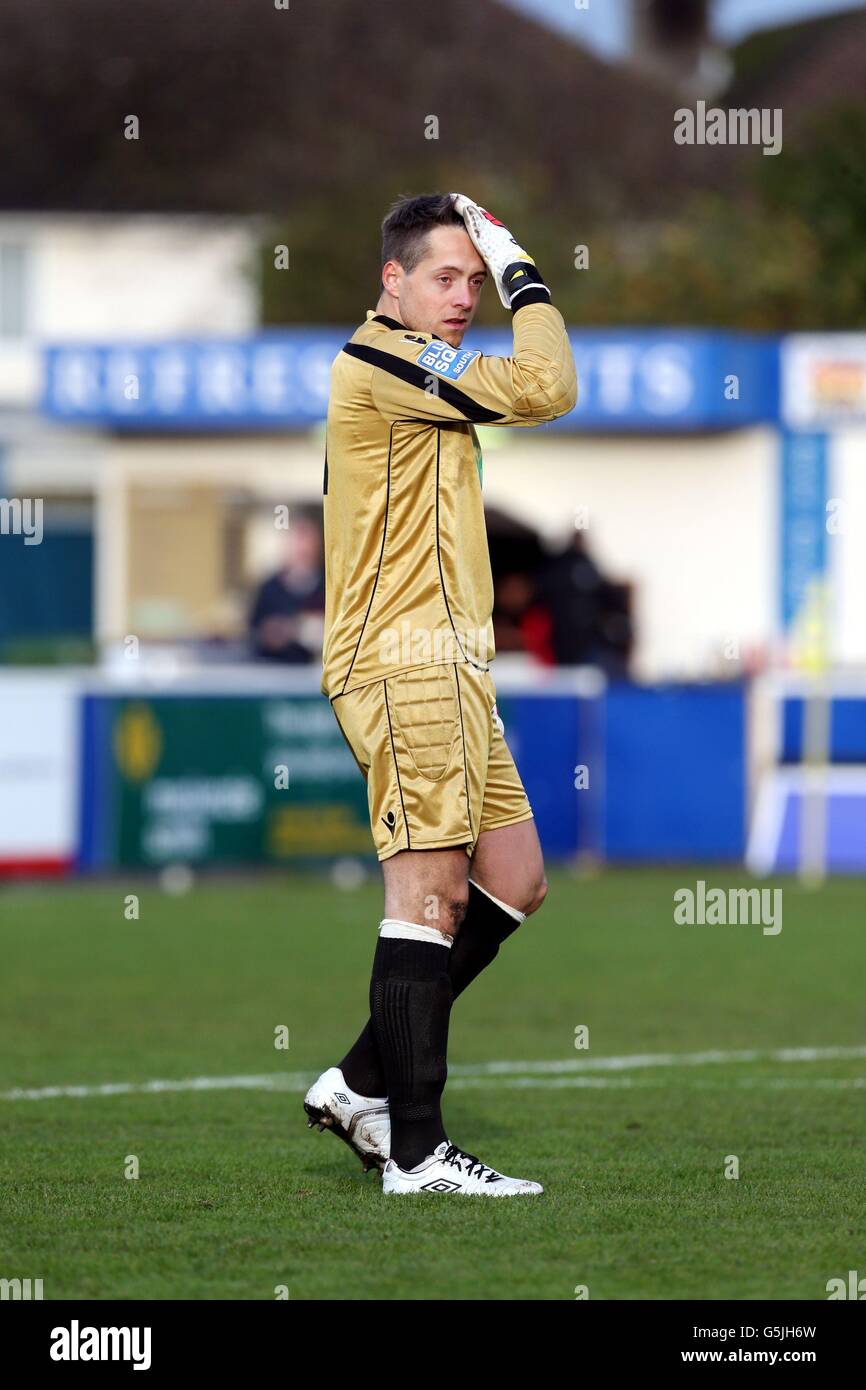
{"points": [[407, 570]]}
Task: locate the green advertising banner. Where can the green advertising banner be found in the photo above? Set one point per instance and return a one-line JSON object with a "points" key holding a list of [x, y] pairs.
{"points": [[181, 779]]}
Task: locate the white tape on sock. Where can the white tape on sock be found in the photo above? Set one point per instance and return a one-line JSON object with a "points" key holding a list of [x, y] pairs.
{"points": [[512, 911], [411, 931]]}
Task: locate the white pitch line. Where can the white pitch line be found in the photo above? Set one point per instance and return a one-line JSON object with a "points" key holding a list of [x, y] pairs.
{"points": [[271, 1081], [658, 1059], [607, 1083], [567, 1072]]}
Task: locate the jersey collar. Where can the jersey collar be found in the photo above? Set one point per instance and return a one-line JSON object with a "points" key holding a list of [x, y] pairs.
{"points": [[383, 318]]}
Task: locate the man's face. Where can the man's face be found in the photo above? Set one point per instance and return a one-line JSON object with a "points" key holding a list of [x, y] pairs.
{"points": [[441, 294]]}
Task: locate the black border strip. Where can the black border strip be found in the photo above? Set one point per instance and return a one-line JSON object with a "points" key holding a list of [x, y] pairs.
{"points": [[414, 375]]}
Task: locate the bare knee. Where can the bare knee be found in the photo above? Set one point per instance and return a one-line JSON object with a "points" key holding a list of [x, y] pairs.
{"points": [[428, 887], [443, 910], [508, 863], [525, 894], [537, 894]]}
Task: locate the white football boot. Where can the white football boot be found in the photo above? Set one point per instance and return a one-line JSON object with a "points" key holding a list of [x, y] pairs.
{"points": [[362, 1122], [449, 1169]]}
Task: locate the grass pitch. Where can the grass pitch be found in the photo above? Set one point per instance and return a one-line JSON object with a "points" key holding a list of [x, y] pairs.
{"points": [[236, 1198]]}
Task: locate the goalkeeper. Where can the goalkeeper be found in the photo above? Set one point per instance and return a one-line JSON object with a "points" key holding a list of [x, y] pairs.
{"points": [[408, 644]]}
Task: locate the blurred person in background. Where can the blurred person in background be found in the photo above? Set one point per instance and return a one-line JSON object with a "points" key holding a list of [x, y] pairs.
{"points": [[590, 615], [288, 613], [521, 621]]}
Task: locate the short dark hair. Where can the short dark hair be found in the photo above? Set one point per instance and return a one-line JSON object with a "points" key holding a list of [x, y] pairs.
{"points": [[405, 229]]}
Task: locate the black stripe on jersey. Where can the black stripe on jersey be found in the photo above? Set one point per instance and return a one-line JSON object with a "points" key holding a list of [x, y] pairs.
{"points": [[379, 566], [416, 376]]}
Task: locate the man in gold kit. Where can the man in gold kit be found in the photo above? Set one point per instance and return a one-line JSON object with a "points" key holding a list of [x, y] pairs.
{"points": [[408, 642]]}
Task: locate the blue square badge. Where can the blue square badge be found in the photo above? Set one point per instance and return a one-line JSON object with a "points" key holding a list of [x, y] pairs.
{"points": [[447, 361]]}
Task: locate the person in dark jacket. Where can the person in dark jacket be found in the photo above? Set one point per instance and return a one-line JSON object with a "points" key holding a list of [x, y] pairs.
{"points": [[287, 617]]}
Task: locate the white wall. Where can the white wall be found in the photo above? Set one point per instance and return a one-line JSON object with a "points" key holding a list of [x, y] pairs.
{"points": [[96, 278], [691, 522]]}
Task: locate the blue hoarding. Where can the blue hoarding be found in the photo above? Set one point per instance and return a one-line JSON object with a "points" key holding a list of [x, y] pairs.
{"points": [[629, 380]]}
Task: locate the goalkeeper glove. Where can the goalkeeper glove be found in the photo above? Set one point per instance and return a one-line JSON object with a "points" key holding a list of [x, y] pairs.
{"points": [[518, 279]]}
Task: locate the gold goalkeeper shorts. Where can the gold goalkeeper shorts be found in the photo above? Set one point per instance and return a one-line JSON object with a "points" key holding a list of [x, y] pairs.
{"points": [[431, 749]]}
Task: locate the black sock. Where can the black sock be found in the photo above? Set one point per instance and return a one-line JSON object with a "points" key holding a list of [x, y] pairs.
{"points": [[410, 1004], [362, 1065], [481, 933]]}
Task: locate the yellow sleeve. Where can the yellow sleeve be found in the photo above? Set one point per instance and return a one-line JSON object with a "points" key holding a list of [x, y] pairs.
{"points": [[416, 377]]}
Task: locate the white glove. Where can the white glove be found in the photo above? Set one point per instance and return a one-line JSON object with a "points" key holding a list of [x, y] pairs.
{"points": [[512, 268]]}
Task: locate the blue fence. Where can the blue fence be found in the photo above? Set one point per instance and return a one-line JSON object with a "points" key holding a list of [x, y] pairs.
{"points": [[631, 774]]}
